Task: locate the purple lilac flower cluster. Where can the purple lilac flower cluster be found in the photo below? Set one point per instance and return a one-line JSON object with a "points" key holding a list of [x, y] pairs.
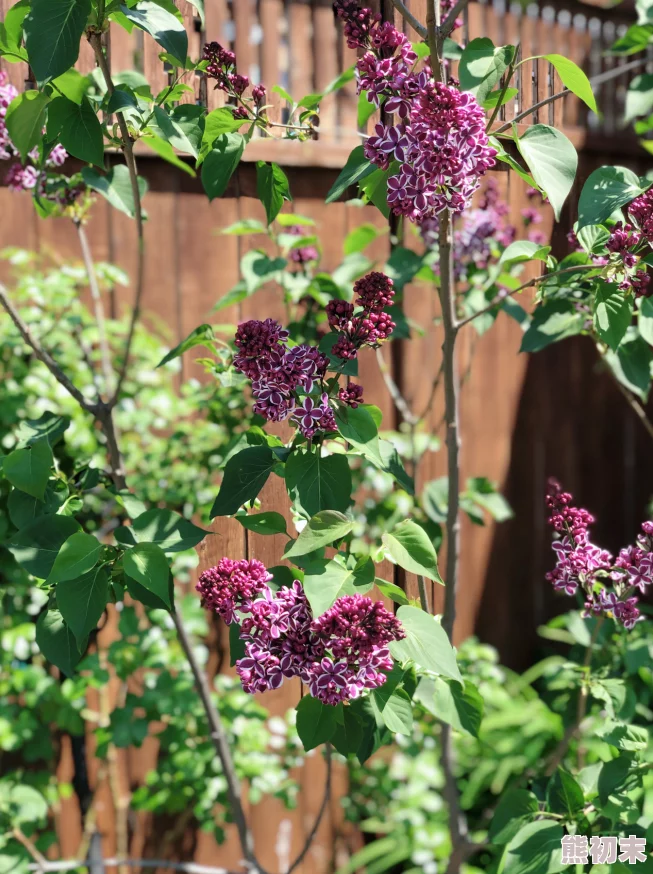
{"points": [[302, 255], [625, 259], [26, 178], [641, 211], [582, 565], [279, 373], [222, 68], [369, 325], [439, 142], [339, 655]]}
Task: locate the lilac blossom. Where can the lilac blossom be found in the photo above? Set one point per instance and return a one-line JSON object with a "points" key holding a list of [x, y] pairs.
{"points": [[580, 565], [339, 655], [302, 254], [366, 323]]}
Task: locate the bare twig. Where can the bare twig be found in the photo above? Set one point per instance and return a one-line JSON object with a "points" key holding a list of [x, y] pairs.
{"points": [[323, 807], [448, 24], [635, 405], [595, 80], [508, 76], [34, 852], [97, 306], [221, 745], [499, 298], [417, 26], [432, 22], [398, 399], [128, 151], [423, 595], [43, 355], [581, 707]]}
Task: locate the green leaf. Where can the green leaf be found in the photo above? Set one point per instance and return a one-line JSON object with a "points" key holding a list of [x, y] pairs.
{"points": [[361, 237], [183, 129], [390, 590], [636, 39], [220, 121], [515, 808], [356, 168], [553, 161], [326, 581], [168, 530], [244, 227], [316, 722], [605, 191], [426, 644], [481, 66], [35, 547], [77, 128], [115, 186], [645, 319], [359, 428], [72, 85], [24, 508], [524, 250], [164, 27], [244, 476], [492, 100], [11, 31], [323, 529], [410, 547], [25, 120], [629, 738], [220, 164], [57, 642], [258, 268], [593, 238], [263, 523], [484, 493], [575, 79], [615, 774], [535, 849], [82, 601], [366, 109], [78, 555], [395, 710], [552, 321], [53, 31], [289, 219], [458, 706], [631, 365], [349, 733], [147, 564], [317, 483], [29, 469], [202, 336], [272, 188], [613, 313], [564, 795], [48, 425], [639, 97]]}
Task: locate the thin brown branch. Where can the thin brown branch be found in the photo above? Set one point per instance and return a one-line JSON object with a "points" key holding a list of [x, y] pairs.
{"points": [[97, 306], [318, 820], [423, 595], [581, 707], [434, 388], [398, 399], [508, 76], [499, 298], [448, 24], [43, 355], [595, 80], [432, 22], [34, 852], [635, 405], [128, 151], [417, 26], [221, 745]]}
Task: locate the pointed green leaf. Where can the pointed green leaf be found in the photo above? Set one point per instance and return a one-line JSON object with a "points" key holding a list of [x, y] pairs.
{"points": [[78, 555], [25, 120], [28, 469], [553, 161], [426, 644], [147, 564], [318, 483], [57, 642], [263, 523], [410, 547], [605, 191], [164, 27], [323, 529], [168, 530], [115, 186], [244, 476], [202, 336], [220, 164], [53, 33], [316, 722], [82, 601], [272, 188], [77, 128], [356, 168]]}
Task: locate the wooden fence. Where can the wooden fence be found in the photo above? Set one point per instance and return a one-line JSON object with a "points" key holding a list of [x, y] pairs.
{"points": [[523, 419]]}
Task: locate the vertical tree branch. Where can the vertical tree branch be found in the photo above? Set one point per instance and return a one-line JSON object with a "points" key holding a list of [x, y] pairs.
{"points": [[325, 803], [97, 306], [221, 744], [128, 151]]}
